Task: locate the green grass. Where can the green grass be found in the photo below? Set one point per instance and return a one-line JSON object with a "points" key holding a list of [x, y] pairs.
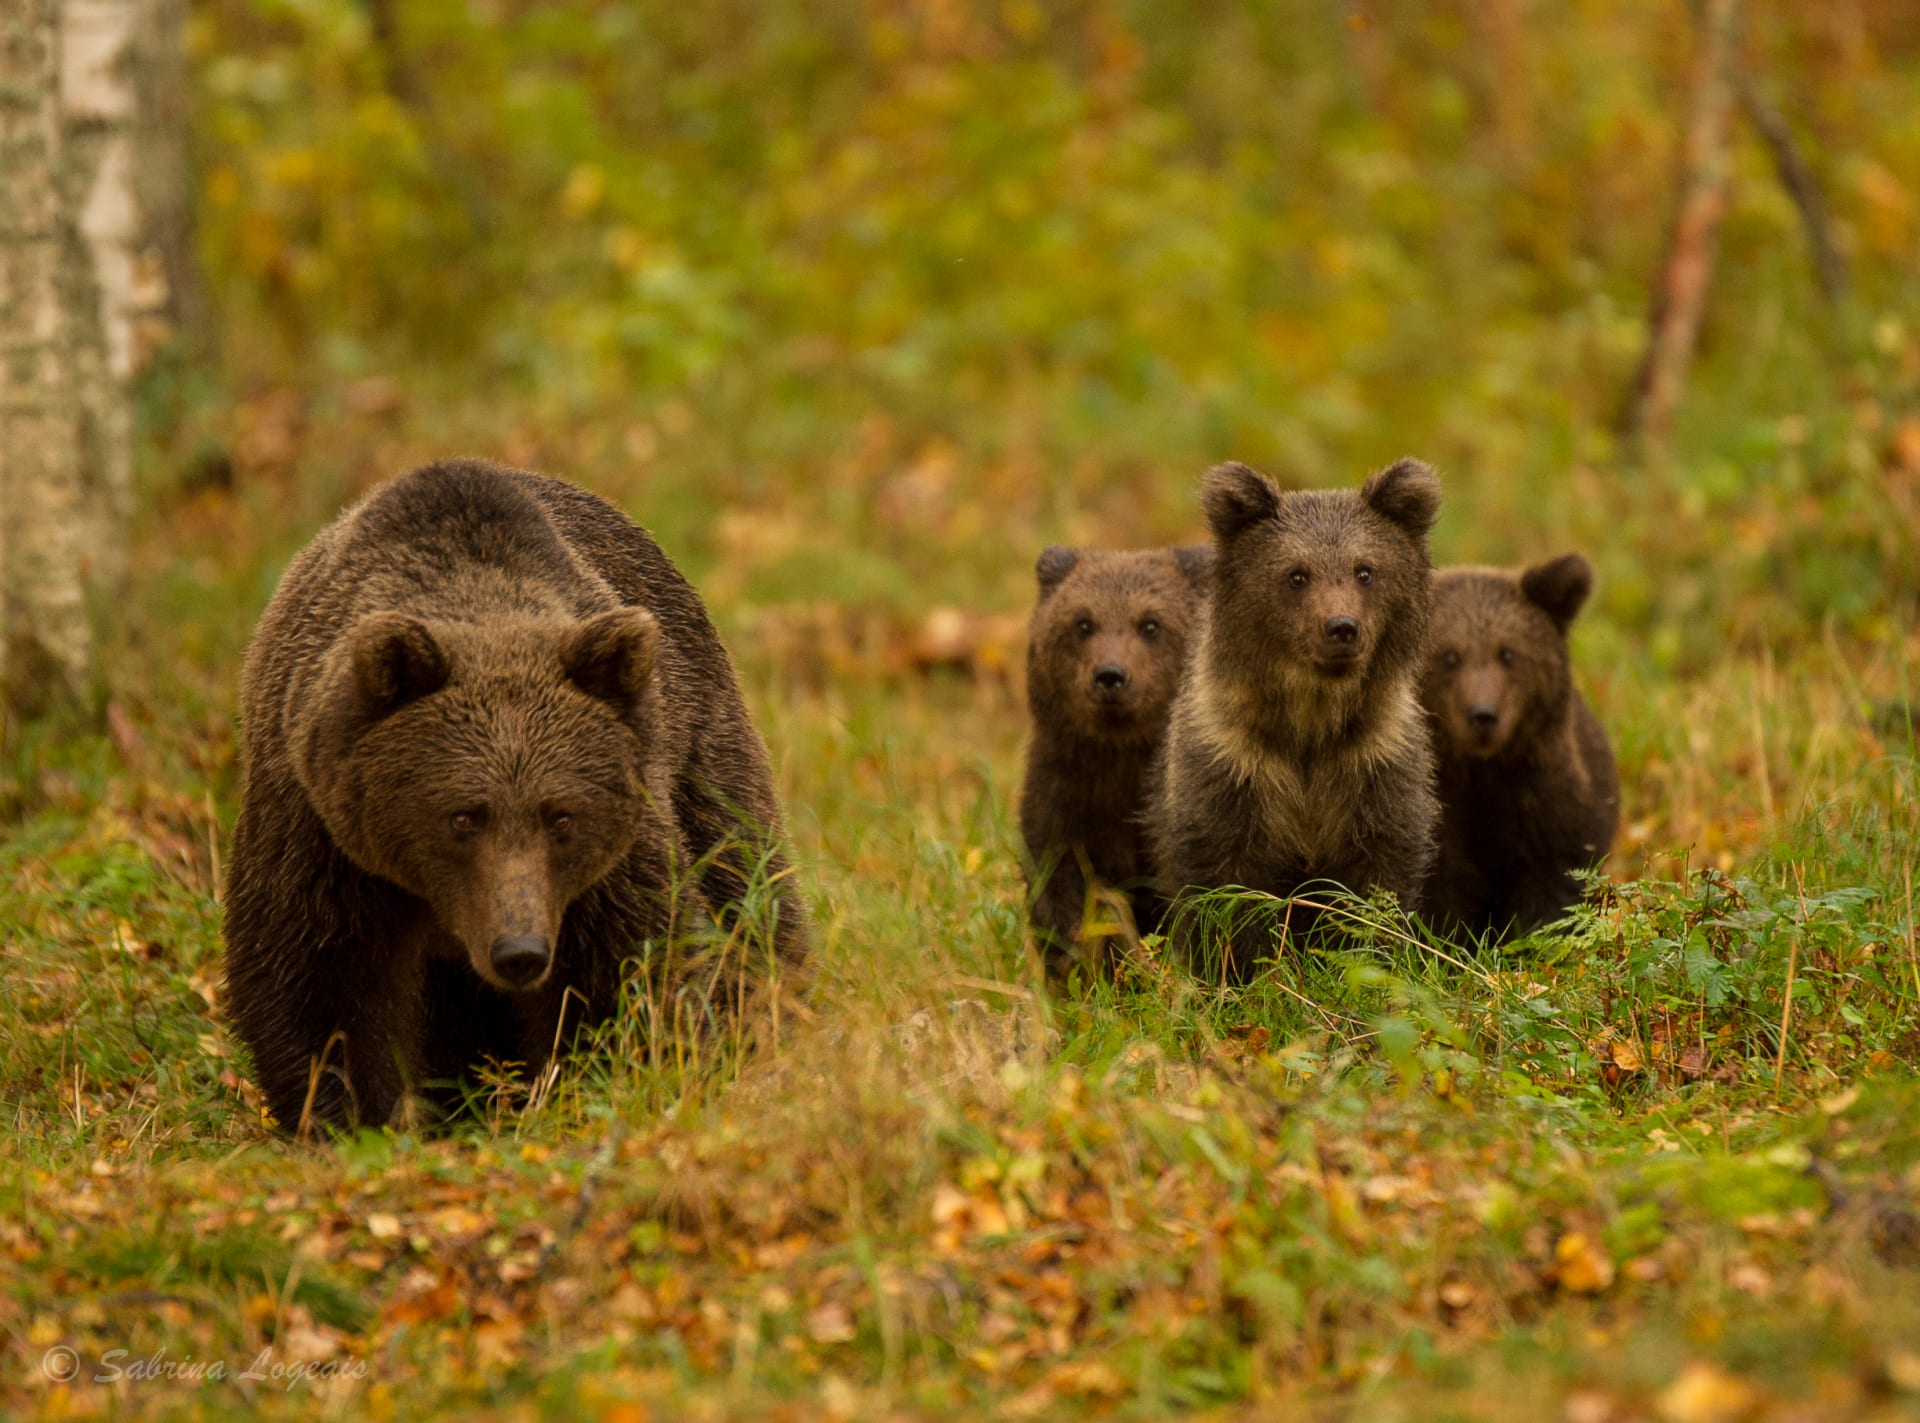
{"points": [[857, 307], [1392, 1178]]}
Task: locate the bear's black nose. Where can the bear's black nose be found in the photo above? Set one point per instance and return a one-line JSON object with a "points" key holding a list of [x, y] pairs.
{"points": [[520, 958], [1483, 716], [1342, 630], [1110, 677]]}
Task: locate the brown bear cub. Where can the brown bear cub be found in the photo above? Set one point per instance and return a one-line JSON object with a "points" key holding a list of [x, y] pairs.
{"points": [[1106, 649], [1297, 752], [490, 737], [1528, 791]]}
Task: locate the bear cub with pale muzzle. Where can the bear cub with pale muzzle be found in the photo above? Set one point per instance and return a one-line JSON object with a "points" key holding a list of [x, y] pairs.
{"points": [[1528, 790], [1107, 648]]}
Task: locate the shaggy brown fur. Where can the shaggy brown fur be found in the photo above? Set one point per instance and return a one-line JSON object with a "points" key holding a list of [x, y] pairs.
{"points": [[1109, 641], [487, 726], [1296, 752], [1528, 791]]}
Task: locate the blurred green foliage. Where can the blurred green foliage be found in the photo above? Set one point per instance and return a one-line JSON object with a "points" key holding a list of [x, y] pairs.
{"points": [[1066, 255]]}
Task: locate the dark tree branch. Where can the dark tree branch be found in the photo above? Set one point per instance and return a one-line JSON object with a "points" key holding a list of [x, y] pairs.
{"points": [[1797, 178]]}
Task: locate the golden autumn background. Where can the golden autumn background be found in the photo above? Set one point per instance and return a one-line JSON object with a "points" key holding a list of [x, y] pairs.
{"points": [[856, 306]]}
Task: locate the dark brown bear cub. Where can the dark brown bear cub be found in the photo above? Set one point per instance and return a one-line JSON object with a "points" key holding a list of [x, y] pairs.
{"points": [[1296, 752], [1108, 643], [490, 737], [1528, 791]]}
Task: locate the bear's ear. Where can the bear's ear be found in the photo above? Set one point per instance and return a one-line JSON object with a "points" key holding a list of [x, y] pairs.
{"points": [[611, 656], [1056, 561], [1559, 587], [1407, 492], [1195, 562], [1235, 498], [395, 661]]}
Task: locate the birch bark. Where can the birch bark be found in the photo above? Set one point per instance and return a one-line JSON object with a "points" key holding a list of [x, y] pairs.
{"points": [[46, 647], [104, 263]]}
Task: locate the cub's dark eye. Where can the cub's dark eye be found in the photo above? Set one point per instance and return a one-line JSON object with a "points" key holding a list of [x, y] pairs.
{"points": [[1363, 574], [1084, 627], [1507, 658], [465, 822], [1450, 660], [1150, 628], [558, 824], [1298, 578]]}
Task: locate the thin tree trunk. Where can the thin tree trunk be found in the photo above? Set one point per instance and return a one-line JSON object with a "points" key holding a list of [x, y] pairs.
{"points": [[406, 87], [1797, 178], [175, 293], [107, 298], [46, 648], [1680, 295], [402, 83]]}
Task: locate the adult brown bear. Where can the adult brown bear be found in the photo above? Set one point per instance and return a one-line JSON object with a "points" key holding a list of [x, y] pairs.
{"points": [[493, 749]]}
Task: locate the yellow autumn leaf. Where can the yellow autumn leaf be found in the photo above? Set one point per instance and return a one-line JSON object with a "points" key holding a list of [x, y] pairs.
{"points": [[830, 1323], [989, 1218], [1582, 1264], [586, 186], [1091, 1378], [1456, 1293], [457, 1221], [1705, 1394], [949, 1204], [1588, 1405]]}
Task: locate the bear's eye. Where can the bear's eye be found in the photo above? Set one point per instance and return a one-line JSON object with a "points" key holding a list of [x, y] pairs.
{"points": [[1084, 627], [1298, 578], [465, 822], [1150, 628], [1506, 657], [559, 823], [1450, 660], [1363, 574]]}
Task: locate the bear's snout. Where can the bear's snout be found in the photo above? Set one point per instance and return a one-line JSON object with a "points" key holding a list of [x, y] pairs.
{"points": [[1341, 646], [1342, 631], [511, 921], [1108, 679], [1482, 722], [520, 959]]}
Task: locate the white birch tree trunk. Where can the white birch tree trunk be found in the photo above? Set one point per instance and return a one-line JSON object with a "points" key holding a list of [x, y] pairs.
{"points": [[47, 647], [107, 295]]}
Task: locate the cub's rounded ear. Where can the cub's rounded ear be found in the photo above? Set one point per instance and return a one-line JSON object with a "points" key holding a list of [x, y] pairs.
{"points": [[1407, 492], [1559, 587], [1196, 565], [395, 661], [1235, 498], [1056, 561], [611, 656]]}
